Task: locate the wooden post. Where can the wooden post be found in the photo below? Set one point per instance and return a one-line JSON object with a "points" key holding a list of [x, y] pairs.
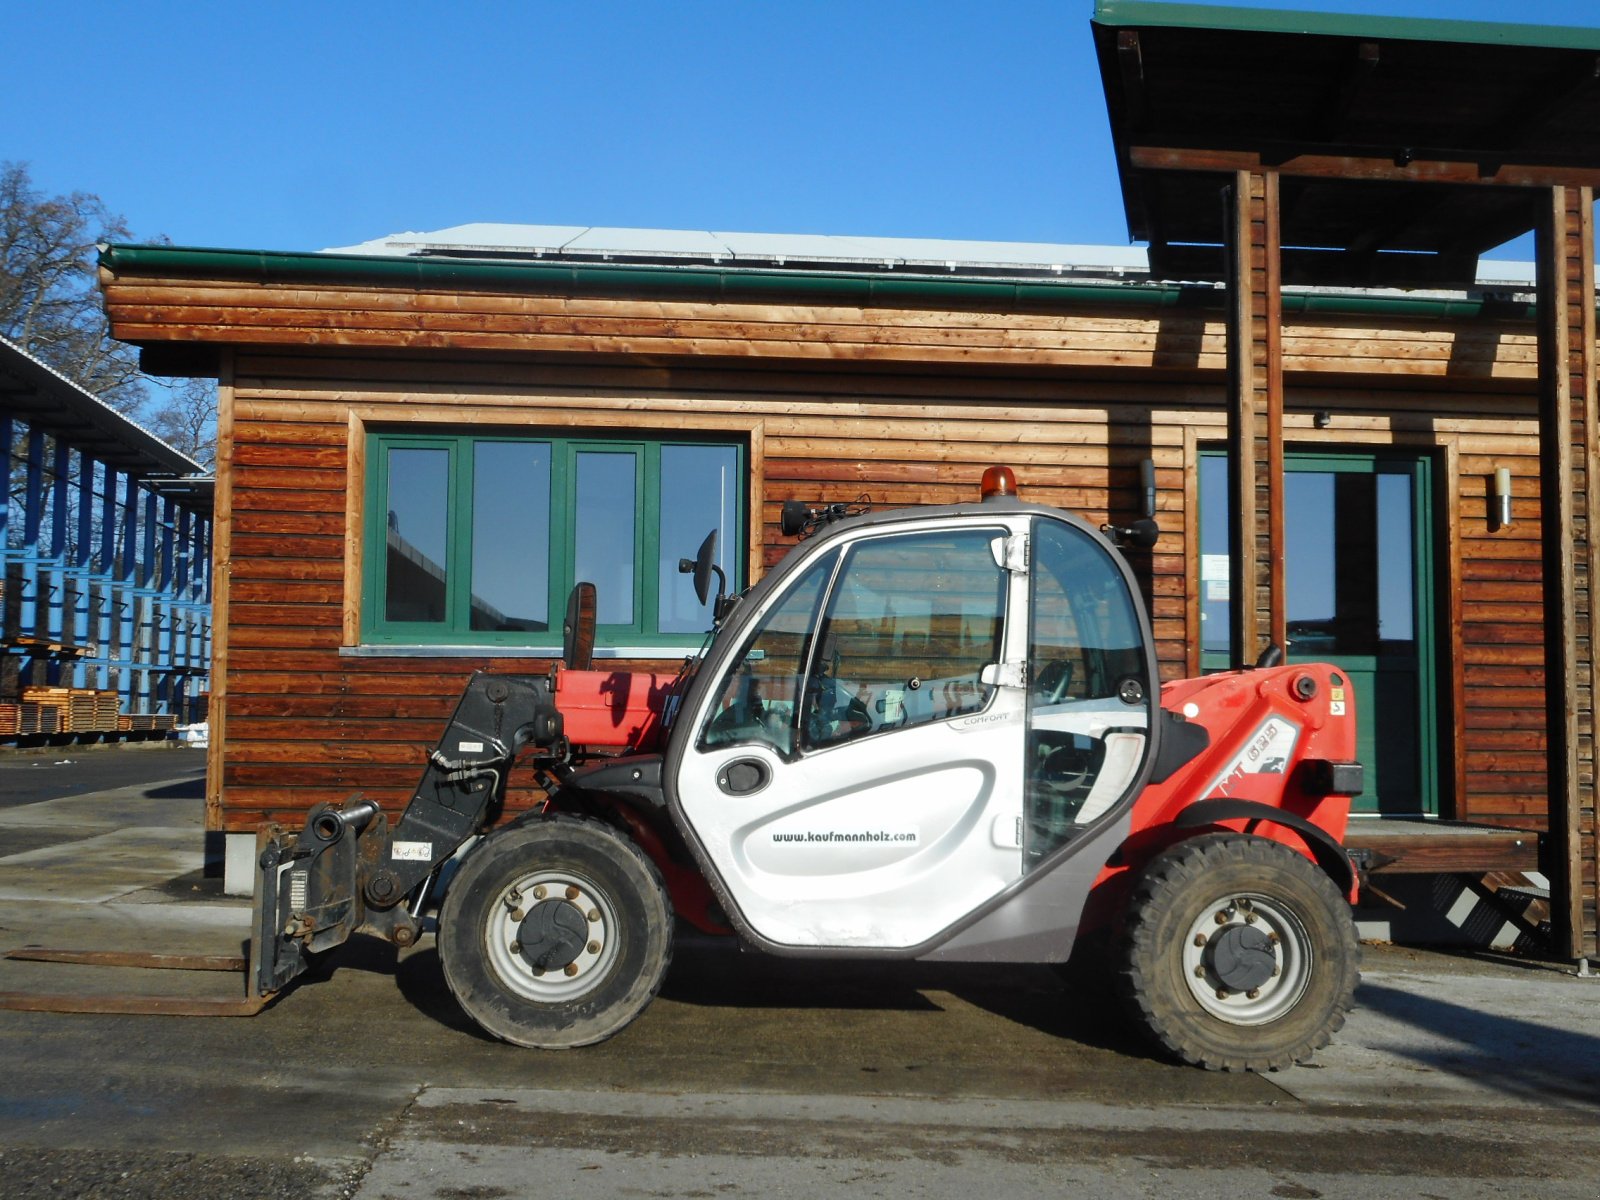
{"points": [[1567, 430], [1255, 416]]}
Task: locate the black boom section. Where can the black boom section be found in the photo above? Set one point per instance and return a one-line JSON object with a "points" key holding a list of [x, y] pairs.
{"points": [[497, 716]]}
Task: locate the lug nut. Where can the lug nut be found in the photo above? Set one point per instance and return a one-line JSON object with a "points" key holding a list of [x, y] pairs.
{"points": [[1222, 918], [1222, 993], [516, 947], [1200, 939], [570, 969], [592, 915], [572, 892], [594, 947], [1199, 972], [539, 892], [1253, 994], [517, 914], [1250, 918]]}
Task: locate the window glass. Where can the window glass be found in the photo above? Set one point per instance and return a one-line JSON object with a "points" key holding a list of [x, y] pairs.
{"points": [[699, 493], [910, 624], [761, 691], [1087, 727], [417, 523], [605, 535], [511, 536], [479, 539]]}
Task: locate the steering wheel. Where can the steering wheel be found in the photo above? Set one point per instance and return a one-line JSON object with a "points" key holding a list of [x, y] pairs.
{"points": [[1054, 681]]}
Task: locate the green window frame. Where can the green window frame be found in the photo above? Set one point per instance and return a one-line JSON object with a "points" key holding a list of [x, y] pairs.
{"points": [[464, 530]]}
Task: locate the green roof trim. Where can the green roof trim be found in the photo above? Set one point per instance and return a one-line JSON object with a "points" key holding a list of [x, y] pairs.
{"points": [[1125, 14], [863, 288]]}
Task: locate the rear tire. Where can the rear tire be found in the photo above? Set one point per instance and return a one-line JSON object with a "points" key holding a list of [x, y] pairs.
{"points": [[555, 933], [1238, 954]]}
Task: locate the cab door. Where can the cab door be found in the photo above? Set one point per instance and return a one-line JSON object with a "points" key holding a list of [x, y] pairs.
{"points": [[856, 774]]}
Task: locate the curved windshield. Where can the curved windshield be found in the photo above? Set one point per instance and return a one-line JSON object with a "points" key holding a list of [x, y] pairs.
{"points": [[760, 693]]}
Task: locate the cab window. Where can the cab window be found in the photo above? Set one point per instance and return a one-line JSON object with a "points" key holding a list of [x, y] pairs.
{"points": [[909, 626]]}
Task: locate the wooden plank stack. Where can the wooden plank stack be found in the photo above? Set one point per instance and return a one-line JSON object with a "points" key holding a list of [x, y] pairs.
{"points": [[27, 718], [76, 710], [146, 722]]}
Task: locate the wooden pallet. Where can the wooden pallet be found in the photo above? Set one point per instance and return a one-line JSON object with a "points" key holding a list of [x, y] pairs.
{"points": [[78, 710]]}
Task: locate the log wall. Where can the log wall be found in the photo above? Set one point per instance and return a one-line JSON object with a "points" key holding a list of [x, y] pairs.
{"points": [[908, 405]]}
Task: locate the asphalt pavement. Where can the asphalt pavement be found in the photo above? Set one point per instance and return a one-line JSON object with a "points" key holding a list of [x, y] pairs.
{"points": [[1457, 1075]]}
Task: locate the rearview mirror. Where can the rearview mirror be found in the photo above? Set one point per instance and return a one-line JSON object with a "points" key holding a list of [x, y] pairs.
{"points": [[577, 631]]}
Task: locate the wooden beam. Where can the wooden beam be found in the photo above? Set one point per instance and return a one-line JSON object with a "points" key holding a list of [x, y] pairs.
{"points": [[1344, 94], [1540, 107], [1568, 511], [1130, 60], [1255, 415], [1290, 162]]}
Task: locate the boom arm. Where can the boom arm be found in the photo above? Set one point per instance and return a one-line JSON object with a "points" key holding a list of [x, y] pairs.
{"points": [[346, 872]]}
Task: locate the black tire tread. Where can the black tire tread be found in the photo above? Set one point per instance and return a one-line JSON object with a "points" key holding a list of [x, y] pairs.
{"points": [[1159, 895], [549, 826]]}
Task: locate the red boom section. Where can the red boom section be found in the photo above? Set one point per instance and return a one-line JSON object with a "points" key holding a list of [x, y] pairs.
{"points": [[1267, 730], [614, 709]]}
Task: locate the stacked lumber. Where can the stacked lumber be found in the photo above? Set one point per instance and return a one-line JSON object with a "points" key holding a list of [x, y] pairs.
{"points": [[21, 720], [145, 722], [78, 710]]}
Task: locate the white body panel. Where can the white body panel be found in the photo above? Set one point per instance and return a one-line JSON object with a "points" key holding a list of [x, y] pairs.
{"points": [[883, 841]]}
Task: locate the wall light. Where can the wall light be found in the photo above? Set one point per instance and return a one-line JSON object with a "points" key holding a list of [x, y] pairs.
{"points": [[1502, 497]]}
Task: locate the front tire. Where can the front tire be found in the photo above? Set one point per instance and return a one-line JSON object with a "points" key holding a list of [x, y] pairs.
{"points": [[1238, 954], [555, 933]]}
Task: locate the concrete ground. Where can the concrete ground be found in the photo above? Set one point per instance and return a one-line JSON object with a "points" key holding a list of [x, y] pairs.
{"points": [[1457, 1075]]}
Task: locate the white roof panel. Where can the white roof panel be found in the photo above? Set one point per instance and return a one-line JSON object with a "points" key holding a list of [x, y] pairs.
{"points": [[601, 242]]}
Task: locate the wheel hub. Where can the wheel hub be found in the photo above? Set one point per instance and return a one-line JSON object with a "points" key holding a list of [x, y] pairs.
{"points": [[1242, 957], [1247, 959], [552, 935]]}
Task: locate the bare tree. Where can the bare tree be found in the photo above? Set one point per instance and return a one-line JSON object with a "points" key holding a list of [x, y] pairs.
{"points": [[187, 419], [48, 301]]}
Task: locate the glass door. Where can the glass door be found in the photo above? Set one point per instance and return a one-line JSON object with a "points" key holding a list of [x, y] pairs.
{"points": [[1358, 569]]}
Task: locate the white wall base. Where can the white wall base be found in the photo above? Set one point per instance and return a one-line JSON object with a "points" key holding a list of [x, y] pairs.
{"points": [[239, 864]]}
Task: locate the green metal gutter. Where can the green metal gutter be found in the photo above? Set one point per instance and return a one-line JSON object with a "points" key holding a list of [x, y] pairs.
{"points": [[741, 283], [1127, 14]]}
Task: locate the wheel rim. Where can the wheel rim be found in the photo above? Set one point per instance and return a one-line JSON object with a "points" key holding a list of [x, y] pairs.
{"points": [[594, 929], [1229, 949]]}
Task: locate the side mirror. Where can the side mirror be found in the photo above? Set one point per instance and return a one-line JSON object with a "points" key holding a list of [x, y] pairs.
{"points": [[577, 631], [792, 520], [701, 566], [1141, 534]]}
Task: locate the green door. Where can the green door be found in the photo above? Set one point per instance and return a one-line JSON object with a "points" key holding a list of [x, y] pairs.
{"points": [[1359, 573]]}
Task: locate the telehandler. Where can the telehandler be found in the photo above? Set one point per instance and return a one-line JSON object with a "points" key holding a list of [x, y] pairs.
{"points": [[928, 733]]}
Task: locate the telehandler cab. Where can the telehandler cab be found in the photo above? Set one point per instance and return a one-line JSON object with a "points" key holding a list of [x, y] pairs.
{"points": [[929, 733]]}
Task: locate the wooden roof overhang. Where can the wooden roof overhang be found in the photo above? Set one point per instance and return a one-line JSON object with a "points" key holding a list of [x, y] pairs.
{"points": [[1405, 148], [1267, 148]]}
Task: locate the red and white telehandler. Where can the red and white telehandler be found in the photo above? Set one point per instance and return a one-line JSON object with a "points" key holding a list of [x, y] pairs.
{"points": [[928, 733]]}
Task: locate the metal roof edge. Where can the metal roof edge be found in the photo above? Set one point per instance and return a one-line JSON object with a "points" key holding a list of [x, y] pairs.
{"points": [[434, 272], [1156, 13], [45, 378]]}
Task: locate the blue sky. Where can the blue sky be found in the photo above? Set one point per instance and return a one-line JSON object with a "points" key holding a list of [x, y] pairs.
{"points": [[301, 126]]}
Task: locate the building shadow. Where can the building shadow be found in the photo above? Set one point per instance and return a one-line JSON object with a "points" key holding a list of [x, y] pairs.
{"points": [[1555, 1066]]}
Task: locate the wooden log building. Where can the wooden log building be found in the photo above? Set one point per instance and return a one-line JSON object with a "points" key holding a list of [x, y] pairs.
{"points": [[1353, 447]]}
